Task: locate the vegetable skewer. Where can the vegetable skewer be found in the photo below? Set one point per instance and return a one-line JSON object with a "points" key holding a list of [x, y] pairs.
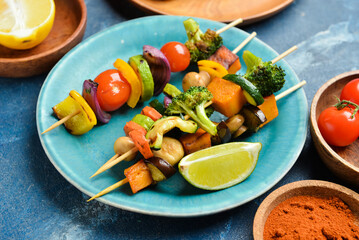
{"points": [[63, 120], [116, 159], [125, 180], [113, 161]]}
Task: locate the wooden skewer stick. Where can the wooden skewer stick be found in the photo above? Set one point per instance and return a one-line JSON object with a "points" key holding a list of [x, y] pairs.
{"points": [[290, 90], [109, 189], [228, 26], [286, 53], [109, 164], [245, 42], [61, 121]]}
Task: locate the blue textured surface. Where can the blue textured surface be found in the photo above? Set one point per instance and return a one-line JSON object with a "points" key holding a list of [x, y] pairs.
{"points": [[77, 158], [36, 202]]}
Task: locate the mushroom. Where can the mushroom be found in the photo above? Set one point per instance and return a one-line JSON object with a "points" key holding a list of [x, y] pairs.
{"points": [[195, 79]]}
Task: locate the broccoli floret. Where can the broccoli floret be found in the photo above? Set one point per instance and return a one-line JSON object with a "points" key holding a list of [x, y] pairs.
{"points": [[268, 78], [201, 45], [192, 103]]}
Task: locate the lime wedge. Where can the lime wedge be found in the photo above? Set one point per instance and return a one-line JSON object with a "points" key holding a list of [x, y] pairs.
{"points": [[221, 166]]}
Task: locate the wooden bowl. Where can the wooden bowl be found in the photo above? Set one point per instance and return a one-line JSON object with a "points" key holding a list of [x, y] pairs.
{"points": [[308, 188], [68, 30], [342, 161]]}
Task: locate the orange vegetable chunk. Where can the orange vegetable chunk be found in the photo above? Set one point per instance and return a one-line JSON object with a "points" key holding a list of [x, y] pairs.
{"points": [[139, 176], [151, 113], [228, 97], [269, 108], [235, 67], [141, 143], [131, 125], [193, 142]]}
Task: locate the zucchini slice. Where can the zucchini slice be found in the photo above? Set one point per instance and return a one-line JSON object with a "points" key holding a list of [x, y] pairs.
{"points": [[251, 93]]}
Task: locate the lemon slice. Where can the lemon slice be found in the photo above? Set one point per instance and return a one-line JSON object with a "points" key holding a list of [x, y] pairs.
{"points": [[221, 166], [25, 23]]}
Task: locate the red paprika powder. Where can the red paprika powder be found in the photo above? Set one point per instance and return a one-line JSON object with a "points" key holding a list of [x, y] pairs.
{"points": [[308, 217]]}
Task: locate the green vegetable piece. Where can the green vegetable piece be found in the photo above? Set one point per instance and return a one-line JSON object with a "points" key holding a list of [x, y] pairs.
{"points": [[171, 90], [268, 78], [192, 103], [164, 125], [200, 45], [158, 106], [143, 71], [143, 120], [250, 91]]}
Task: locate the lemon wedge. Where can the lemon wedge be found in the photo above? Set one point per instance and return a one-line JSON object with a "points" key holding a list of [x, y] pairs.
{"points": [[221, 166], [25, 23]]}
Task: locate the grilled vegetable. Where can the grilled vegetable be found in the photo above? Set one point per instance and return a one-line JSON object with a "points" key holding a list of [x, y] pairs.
{"points": [[143, 121], [193, 142], [160, 169], [253, 116], [228, 97], [143, 72], [201, 45], [224, 56], [139, 176], [164, 125], [123, 145], [160, 67], [131, 77], [89, 91], [82, 122], [251, 92], [171, 151]]}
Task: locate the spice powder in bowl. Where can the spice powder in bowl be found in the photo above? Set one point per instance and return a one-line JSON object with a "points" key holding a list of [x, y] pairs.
{"points": [[309, 217]]}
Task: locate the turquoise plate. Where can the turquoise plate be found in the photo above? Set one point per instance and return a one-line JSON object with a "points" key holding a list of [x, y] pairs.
{"points": [[78, 157]]}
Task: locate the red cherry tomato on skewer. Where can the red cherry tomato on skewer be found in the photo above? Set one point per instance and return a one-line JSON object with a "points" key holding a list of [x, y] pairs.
{"points": [[177, 55], [113, 90]]}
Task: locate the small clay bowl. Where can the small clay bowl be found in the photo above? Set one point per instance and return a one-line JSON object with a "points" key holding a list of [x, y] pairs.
{"points": [[308, 188], [342, 161], [67, 31]]}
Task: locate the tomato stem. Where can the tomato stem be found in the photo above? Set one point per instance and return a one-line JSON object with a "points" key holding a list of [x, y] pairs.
{"points": [[345, 103]]}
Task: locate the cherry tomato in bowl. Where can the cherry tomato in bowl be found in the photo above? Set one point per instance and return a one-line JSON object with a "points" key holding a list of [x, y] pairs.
{"points": [[177, 55], [113, 90], [350, 91], [337, 126]]}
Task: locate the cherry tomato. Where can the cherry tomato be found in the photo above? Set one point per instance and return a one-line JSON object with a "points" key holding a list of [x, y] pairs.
{"points": [[350, 91], [177, 55], [337, 127], [113, 90]]}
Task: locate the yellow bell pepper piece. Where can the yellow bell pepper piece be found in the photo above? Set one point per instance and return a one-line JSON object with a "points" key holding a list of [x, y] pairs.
{"points": [[130, 75], [213, 68], [82, 122]]}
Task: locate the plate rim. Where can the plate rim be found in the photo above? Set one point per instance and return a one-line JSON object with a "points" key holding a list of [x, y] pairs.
{"points": [[146, 211]]}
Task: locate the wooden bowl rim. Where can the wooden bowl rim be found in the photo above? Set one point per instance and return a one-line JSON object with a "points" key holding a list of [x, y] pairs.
{"points": [[246, 20], [314, 123], [78, 30], [288, 188]]}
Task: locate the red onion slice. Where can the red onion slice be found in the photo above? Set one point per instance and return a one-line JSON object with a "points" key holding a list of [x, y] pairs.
{"points": [[160, 67], [89, 91]]}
